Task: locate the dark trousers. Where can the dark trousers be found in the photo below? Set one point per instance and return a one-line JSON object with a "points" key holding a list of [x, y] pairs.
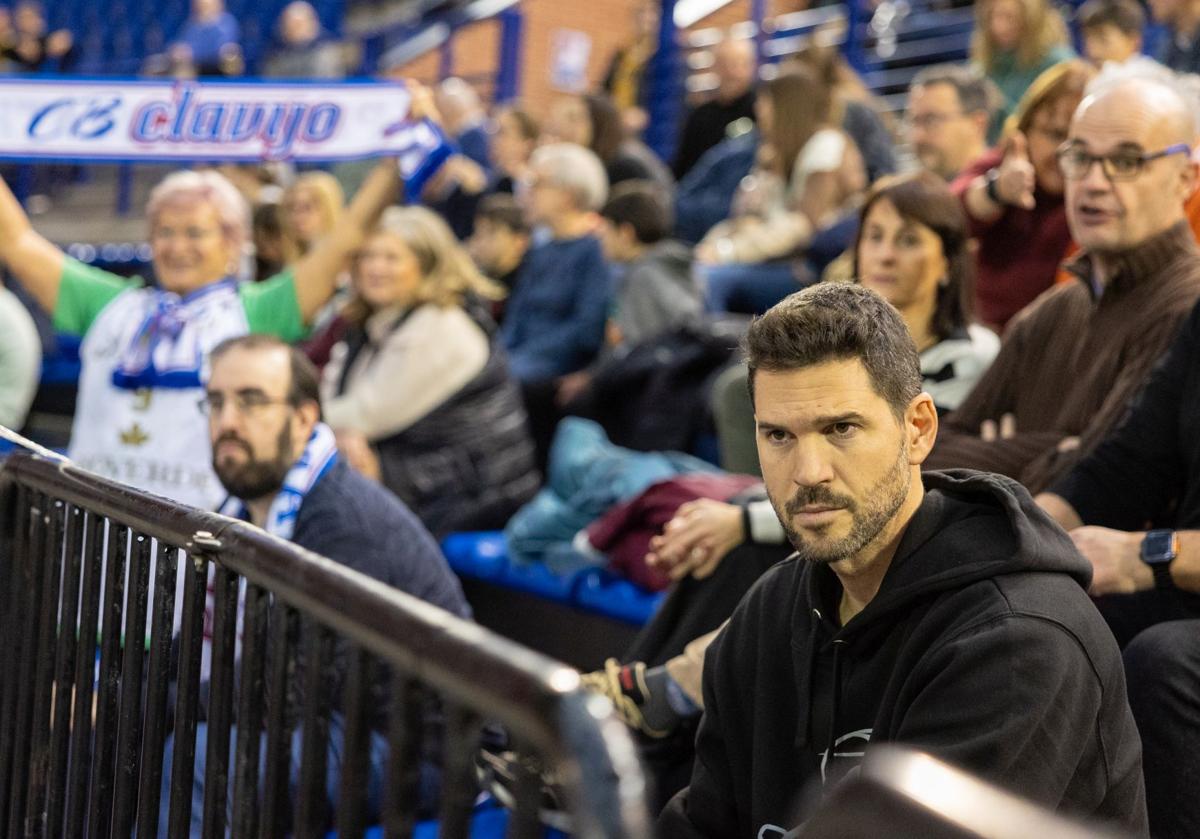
{"points": [[1160, 635]]}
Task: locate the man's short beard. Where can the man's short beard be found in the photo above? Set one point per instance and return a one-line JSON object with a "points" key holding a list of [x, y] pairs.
{"points": [[878, 508], [256, 478]]}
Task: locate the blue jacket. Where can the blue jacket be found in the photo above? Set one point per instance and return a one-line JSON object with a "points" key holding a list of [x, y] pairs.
{"points": [[705, 195], [554, 321]]}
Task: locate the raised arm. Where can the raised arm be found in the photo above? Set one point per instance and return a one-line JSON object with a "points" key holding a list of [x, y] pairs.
{"points": [[316, 273], [31, 258]]}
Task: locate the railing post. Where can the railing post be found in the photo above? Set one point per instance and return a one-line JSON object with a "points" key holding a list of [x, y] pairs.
{"points": [[665, 103], [853, 47], [508, 77]]}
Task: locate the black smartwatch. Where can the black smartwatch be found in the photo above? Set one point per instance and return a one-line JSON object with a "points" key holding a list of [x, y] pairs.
{"points": [[1159, 549], [990, 178]]}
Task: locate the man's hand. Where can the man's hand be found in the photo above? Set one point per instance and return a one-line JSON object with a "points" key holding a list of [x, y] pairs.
{"points": [[697, 539], [1015, 176], [1117, 567], [990, 431]]}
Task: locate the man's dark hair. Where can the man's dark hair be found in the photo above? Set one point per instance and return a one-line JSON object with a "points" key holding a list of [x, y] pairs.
{"points": [[502, 209], [1126, 15], [834, 321], [976, 92], [305, 385], [640, 205]]}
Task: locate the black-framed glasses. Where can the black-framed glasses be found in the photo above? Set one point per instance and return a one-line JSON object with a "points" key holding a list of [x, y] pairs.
{"points": [[1075, 162], [213, 404]]}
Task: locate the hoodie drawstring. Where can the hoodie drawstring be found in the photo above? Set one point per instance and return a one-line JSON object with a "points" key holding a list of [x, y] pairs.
{"points": [[837, 699]]}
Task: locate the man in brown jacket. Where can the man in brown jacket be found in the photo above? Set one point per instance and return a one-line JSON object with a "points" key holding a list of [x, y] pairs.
{"points": [[1072, 360]]}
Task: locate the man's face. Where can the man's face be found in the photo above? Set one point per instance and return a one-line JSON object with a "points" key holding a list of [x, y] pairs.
{"points": [[1114, 216], [837, 463], [1108, 43], [189, 248], [944, 138], [735, 65], [256, 435]]}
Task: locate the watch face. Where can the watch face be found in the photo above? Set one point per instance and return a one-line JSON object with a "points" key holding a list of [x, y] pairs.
{"points": [[1158, 546]]}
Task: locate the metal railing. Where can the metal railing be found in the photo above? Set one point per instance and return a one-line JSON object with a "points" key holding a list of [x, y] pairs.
{"points": [[85, 718]]}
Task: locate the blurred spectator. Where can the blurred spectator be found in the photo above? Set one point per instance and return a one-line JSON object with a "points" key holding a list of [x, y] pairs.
{"points": [[26, 43], [266, 228], [626, 78], [808, 174], [593, 122], [1071, 362], [311, 207], [464, 119], [303, 50], [705, 196], [144, 349], [729, 112], [1111, 30], [1180, 48], [949, 109], [501, 239], [514, 137], [20, 360], [914, 249], [1014, 42], [860, 110], [419, 391], [554, 323], [280, 465], [655, 291], [1014, 194], [209, 43]]}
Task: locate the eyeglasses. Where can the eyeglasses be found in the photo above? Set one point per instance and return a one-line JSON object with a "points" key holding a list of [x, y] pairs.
{"points": [[927, 122], [244, 403], [1075, 162]]}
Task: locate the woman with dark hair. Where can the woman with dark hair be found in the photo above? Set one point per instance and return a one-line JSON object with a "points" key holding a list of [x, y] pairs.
{"points": [[1014, 193], [593, 121], [913, 249]]}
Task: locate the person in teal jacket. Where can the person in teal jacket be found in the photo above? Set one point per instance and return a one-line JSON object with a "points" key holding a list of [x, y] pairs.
{"points": [[1013, 43]]}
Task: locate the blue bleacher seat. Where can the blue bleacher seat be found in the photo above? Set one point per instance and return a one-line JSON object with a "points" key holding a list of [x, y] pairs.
{"points": [[484, 556]]}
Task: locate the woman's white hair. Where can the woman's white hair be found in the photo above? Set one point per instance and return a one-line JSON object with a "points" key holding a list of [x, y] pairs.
{"points": [[575, 169], [188, 188]]}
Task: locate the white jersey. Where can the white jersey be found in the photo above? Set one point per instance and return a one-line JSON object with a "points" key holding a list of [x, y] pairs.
{"points": [[154, 436]]}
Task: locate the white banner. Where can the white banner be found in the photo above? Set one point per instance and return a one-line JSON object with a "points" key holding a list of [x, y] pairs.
{"points": [[137, 120]]}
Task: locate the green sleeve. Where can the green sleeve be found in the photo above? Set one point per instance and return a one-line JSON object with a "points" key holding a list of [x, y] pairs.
{"points": [[271, 307], [82, 292]]}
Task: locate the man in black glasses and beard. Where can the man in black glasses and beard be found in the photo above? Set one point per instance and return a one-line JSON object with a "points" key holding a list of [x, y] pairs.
{"points": [[1072, 360]]}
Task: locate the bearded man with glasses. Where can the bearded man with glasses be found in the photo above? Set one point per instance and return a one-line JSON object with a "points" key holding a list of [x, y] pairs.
{"points": [[1073, 359]]}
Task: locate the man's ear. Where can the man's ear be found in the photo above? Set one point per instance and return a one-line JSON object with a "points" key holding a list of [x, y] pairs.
{"points": [[308, 414], [921, 425]]}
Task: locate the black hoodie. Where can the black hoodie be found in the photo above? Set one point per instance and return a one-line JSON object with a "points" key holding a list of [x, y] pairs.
{"points": [[981, 648]]}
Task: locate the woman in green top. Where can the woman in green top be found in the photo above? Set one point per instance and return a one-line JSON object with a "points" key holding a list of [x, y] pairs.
{"points": [[1014, 41], [144, 349]]}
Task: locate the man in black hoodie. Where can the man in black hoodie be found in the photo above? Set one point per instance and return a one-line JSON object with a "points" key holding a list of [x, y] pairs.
{"points": [[945, 612]]}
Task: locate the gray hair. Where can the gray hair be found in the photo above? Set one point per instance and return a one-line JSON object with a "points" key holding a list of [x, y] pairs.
{"points": [[976, 92], [575, 169]]}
